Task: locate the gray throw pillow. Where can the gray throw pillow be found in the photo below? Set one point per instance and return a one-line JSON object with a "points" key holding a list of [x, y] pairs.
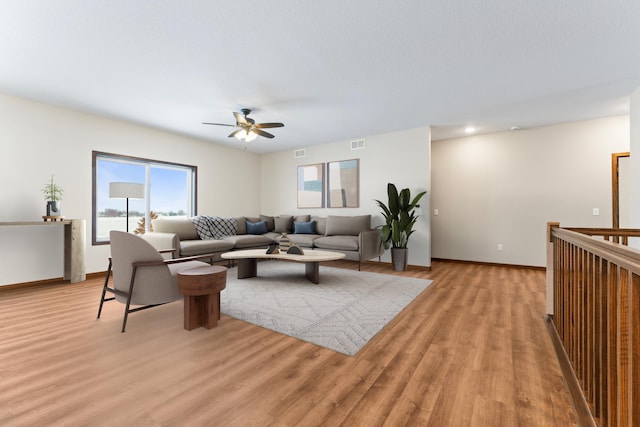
{"points": [[321, 224], [283, 224], [269, 221]]}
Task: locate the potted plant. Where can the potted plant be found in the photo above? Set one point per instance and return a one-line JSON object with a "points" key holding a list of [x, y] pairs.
{"points": [[399, 217], [52, 195]]}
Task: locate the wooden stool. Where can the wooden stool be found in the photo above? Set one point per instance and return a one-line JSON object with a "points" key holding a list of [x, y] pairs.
{"points": [[201, 289]]}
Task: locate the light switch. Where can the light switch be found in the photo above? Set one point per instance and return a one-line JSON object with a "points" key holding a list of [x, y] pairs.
{"points": [[435, 212], [596, 211]]}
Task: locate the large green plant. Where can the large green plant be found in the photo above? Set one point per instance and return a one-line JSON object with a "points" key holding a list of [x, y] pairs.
{"points": [[399, 217], [52, 191]]}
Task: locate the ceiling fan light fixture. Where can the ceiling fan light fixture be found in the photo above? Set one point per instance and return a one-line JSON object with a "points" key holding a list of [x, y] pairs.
{"points": [[251, 135], [246, 128]]}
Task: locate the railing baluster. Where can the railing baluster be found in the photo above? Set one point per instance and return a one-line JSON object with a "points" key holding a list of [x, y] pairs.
{"points": [[596, 304], [622, 338], [634, 351]]}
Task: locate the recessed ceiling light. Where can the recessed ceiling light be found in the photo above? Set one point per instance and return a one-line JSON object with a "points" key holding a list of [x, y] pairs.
{"points": [[515, 128], [469, 129]]}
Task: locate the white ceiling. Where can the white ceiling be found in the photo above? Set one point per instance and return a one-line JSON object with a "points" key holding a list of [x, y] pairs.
{"points": [[331, 70]]}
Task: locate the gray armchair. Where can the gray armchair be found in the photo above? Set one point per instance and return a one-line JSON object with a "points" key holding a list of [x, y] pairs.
{"points": [[141, 276]]}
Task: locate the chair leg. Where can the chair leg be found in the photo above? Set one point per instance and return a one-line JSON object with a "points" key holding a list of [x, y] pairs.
{"points": [[104, 289], [126, 310]]}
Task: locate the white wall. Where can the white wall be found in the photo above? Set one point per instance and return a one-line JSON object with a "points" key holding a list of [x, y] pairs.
{"points": [[503, 188], [38, 140], [399, 157], [634, 135]]}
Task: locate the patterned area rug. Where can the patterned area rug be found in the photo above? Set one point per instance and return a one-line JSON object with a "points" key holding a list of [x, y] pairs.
{"points": [[341, 313]]}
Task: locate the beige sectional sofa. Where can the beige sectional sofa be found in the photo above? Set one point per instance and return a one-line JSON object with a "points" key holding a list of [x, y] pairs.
{"points": [[351, 235]]}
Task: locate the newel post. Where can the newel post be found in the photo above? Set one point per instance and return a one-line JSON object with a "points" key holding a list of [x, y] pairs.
{"points": [[550, 263]]}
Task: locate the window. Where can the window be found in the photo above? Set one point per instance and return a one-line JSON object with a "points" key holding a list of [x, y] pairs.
{"points": [[168, 189]]}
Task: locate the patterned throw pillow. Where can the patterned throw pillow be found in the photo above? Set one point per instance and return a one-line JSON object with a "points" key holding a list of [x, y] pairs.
{"points": [[213, 227], [202, 227], [223, 227]]}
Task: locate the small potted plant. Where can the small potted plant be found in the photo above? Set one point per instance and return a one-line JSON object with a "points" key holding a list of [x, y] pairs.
{"points": [[399, 218], [52, 195]]}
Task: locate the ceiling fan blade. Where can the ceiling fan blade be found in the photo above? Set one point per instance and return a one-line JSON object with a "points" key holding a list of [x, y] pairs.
{"points": [[218, 124], [269, 125], [240, 118], [235, 132], [262, 133]]}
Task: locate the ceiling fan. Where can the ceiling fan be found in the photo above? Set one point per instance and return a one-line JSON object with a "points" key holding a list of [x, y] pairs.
{"points": [[248, 128]]}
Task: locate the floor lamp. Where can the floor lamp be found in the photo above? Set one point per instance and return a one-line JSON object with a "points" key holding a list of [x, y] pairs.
{"points": [[126, 190]]}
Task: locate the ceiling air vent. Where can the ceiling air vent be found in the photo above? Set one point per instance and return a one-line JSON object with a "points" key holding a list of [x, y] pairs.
{"points": [[357, 144], [300, 153]]}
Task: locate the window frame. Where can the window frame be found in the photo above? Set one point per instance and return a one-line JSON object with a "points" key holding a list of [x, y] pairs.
{"points": [[95, 155]]}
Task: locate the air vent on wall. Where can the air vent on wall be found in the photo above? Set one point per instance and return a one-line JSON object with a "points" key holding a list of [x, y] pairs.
{"points": [[357, 144], [300, 153]]}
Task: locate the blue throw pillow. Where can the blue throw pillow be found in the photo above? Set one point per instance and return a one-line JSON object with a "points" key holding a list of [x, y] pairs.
{"points": [[259, 227], [304, 227]]}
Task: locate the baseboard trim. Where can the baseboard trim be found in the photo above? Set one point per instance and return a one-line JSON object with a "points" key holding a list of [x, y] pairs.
{"points": [[101, 275], [580, 405], [55, 281], [494, 264], [410, 266], [14, 286]]}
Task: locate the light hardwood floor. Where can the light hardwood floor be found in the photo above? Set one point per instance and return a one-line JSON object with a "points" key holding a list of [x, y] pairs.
{"points": [[472, 350]]}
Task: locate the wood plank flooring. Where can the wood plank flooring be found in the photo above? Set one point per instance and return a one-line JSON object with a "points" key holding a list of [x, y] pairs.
{"points": [[472, 350]]}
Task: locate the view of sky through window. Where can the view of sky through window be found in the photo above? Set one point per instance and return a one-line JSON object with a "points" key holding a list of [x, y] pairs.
{"points": [[170, 189]]}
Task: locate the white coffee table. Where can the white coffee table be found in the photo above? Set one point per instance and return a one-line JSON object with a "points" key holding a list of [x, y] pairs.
{"points": [[248, 261]]}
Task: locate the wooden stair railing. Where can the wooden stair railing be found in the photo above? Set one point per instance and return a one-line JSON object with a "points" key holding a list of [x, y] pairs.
{"points": [[594, 303]]}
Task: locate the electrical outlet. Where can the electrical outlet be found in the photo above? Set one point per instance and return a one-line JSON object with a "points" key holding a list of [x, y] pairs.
{"points": [[596, 211], [500, 247]]}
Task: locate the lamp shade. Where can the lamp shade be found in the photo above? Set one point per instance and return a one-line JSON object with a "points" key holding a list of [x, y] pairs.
{"points": [[126, 190]]}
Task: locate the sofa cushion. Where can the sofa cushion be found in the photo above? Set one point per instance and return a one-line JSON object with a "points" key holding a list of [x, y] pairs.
{"points": [[303, 240], [273, 235], [241, 226], [304, 227], [199, 247], [259, 227], [283, 224], [302, 218], [182, 226], [321, 224], [347, 225], [343, 243], [269, 220], [249, 241]]}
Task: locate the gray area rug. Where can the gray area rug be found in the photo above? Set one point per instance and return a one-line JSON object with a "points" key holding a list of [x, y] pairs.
{"points": [[341, 313]]}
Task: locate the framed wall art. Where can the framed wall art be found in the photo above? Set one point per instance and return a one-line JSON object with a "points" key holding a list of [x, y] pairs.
{"points": [[311, 186], [343, 184]]}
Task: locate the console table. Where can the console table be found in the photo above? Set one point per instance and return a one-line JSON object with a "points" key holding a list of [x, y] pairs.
{"points": [[74, 245]]}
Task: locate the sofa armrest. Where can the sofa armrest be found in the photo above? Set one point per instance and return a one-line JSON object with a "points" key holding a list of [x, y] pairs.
{"points": [[164, 242], [370, 244]]}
